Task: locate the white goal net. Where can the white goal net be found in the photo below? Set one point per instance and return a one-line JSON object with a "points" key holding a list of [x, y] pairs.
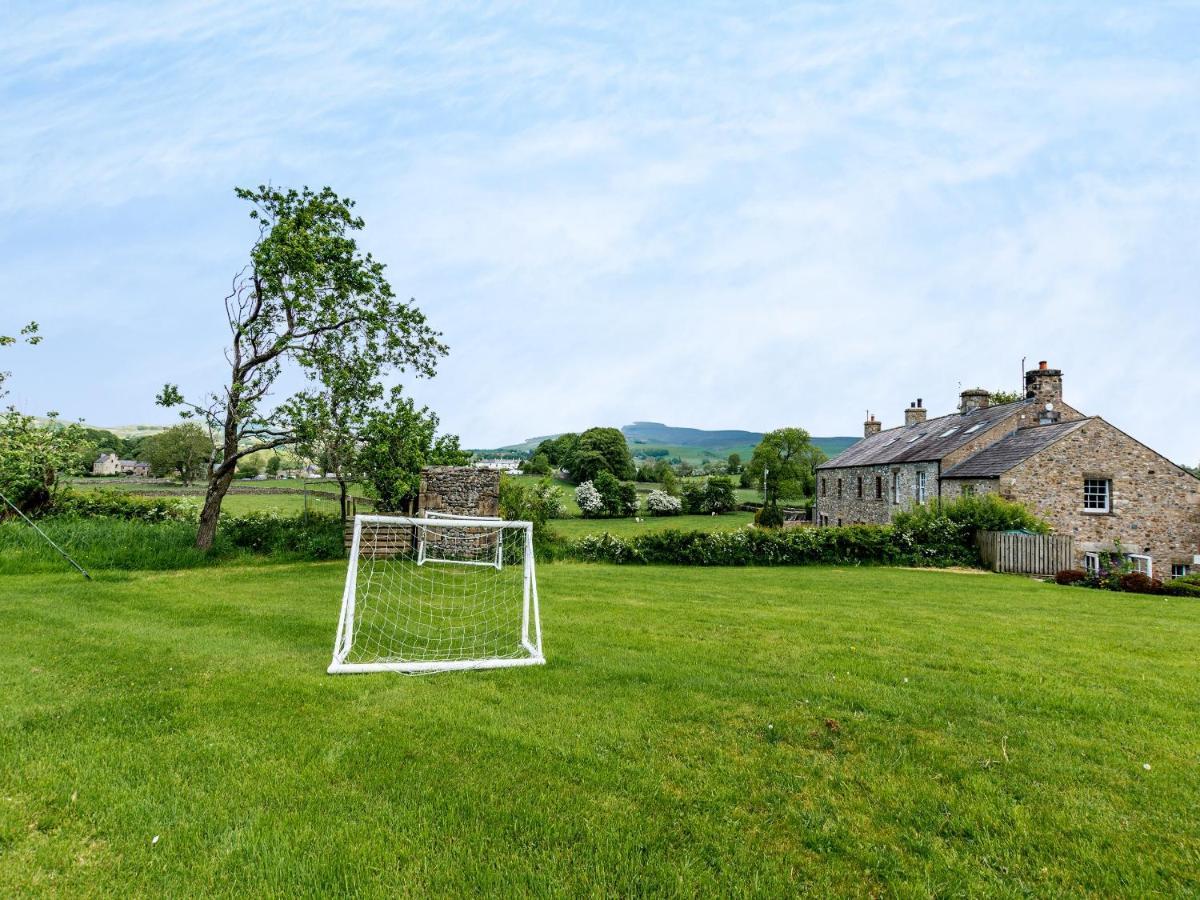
{"points": [[438, 593]]}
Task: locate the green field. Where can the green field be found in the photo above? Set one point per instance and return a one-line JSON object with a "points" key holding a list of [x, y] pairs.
{"points": [[696, 732], [576, 528]]}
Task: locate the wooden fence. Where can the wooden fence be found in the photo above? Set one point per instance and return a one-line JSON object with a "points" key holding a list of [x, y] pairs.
{"points": [[1026, 554]]}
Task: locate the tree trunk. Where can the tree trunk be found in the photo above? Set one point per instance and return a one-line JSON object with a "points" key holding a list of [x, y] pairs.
{"points": [[211, 512], [342, 488]]}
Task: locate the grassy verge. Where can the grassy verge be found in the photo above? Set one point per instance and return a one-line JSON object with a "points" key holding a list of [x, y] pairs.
{"points": [[828, 732]]}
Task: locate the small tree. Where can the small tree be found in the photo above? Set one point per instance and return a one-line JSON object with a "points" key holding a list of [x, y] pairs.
{"points": [[32, 456], [718, 495], [273, 465], [30, 335], [397, 441], [734, 463], [247, 468], [538, 464], [995, 398], [788, 458], [306, 281]]}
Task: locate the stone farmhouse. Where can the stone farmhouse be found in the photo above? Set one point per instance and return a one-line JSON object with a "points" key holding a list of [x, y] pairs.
{"points": [[1084, 476], [109, 464]]}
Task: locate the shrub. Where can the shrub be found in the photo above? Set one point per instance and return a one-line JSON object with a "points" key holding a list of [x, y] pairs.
{"points": [[660, 503], [124, 506], [1180, 587], [1071, 576], [769, 516], [847, 545], [617, 498], [530, 503], [1140, 583], [313, 537], [975, 513], [591, 504], [693, 496], [713, 495]]}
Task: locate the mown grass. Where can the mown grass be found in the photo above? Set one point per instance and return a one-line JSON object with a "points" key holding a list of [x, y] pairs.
{"points": [[696, 732]]}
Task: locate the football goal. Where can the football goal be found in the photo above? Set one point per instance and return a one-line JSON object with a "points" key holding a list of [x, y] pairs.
{"points": [[438, 593]]}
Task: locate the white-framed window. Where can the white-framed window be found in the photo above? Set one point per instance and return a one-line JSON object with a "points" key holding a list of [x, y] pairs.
{"points": [[1091, 563], [1178, 570], [1142, 563], [896, 488], [1097, 495], [920, 487]]}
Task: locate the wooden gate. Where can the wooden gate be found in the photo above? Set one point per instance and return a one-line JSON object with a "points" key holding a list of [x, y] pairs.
{"points": [[1026, 554]]}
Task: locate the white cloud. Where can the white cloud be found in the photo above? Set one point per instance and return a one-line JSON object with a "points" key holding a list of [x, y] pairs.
{"points": [[712, 218]]}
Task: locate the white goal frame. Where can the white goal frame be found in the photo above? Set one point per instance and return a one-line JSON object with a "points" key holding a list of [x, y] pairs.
{"points": [[423, 557], [531, 622]]}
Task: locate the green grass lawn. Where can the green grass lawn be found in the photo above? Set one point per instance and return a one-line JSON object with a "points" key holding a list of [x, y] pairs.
{"points": [[700, 732], [576, 528]]}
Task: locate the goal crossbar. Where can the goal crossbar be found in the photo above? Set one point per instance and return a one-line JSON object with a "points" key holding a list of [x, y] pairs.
{"points": [[399, 613]]}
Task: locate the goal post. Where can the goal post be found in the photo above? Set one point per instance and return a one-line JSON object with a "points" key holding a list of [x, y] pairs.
{"points": [[438, 593]]}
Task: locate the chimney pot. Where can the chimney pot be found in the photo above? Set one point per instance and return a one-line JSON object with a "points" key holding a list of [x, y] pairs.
{"points": [[1042, 365]]}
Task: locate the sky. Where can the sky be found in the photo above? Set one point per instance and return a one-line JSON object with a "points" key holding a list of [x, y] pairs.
{"points": [[729, 215]]}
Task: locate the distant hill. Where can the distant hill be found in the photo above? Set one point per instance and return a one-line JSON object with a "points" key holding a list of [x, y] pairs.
{"points": [[695, 445]]}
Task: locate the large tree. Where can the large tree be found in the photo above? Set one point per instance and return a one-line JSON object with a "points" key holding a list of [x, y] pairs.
{"points": [[306, 280], [788, 457], [601, 450], [184, 449]]}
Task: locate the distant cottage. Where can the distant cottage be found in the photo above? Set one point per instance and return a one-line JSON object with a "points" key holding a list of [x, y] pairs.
{"points": [[108, 464], [1085, 477]]}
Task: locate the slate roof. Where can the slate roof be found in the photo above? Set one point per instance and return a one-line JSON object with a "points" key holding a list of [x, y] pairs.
{"points": [[926, 441], [995, 460]]}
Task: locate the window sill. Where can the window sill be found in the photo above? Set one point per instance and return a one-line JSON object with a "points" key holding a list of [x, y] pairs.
{"points": [[1096, 512]]}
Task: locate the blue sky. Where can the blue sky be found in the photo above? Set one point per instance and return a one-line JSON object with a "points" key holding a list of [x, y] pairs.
{"points": [[717, 215]]}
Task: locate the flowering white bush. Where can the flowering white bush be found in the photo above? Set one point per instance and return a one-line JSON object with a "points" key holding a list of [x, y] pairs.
{"points": [[589, 500], [660, 503], [551, 499]]}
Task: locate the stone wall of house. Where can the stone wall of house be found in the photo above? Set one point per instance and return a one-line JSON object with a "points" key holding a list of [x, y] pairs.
{"points": [[460, 490], [953, 488], [850, 509], [1154, 504]]}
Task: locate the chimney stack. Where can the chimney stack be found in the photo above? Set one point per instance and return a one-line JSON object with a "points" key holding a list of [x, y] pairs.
{"points": [[973, 399], [1044, 385], [871, 426], [916, 412]]}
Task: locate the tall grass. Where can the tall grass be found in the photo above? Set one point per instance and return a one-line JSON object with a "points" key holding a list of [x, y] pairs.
{"points": [[109, 542], [100, 543]]}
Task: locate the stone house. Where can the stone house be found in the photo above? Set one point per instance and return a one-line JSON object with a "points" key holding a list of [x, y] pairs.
{"points": [[1084, 476], [109, 464]]}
